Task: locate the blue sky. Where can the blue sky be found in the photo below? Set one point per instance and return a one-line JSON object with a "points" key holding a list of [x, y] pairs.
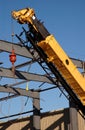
{"points": [[65, 19]]}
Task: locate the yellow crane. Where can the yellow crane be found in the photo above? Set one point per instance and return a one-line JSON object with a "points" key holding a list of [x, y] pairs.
{"points": [[54, 52]]}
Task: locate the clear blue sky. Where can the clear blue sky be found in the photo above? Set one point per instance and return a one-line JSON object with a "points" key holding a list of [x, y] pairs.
{"points": [[65, 19]]}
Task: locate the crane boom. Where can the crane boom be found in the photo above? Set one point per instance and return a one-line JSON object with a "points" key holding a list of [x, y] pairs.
{"points": [[54, 52]]}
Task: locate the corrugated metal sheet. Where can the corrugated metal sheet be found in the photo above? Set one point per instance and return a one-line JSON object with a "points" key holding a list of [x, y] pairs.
{"points": [[55, 120], [81, 122]]}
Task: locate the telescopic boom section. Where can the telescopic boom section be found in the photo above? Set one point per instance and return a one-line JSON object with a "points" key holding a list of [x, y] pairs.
{"points": [[55, 54], [68, 70]]}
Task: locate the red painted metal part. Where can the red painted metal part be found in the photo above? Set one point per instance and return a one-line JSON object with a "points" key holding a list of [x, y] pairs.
{"points": [[12, 57]]}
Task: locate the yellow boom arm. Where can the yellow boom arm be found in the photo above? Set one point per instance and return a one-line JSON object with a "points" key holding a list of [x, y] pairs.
{"points": [[55, 54], [59, 58]]}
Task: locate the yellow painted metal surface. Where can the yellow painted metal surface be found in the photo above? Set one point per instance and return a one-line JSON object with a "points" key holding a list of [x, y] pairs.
{"points": [[24, 16], [65, 66], [56, 55]]}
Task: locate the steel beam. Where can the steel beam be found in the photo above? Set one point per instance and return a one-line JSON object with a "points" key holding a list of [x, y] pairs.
{"points": [[25, 64], [79, 63], [19, 50], [73, 119], [9, 97], [22, 51], [5, 72], [36, 112], [19, 91], [4, 117]]}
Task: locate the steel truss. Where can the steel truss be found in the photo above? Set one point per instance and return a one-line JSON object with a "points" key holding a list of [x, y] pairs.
{"points": [[29, 50], [50, 70]]}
